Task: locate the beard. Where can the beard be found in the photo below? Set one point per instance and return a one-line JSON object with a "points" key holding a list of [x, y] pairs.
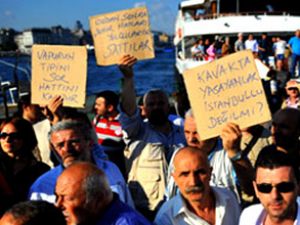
{"points": [[158, 117]]}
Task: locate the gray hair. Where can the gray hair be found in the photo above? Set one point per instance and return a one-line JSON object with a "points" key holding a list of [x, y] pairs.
{"points": [[96, 186], [189, 113], [77, 126]]}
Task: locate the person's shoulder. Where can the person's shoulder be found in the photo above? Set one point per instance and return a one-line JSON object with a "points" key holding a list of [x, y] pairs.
{"points": [[168, 209], [226, 197], [122, 214], [49, 176], [223, 192], [38, 169], [110, 169], [251, 214], [45, 124], [45, 184]]}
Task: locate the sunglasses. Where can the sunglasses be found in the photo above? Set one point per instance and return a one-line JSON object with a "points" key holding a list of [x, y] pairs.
{"points": [[283, 187], [13, 135], [292, 88]]}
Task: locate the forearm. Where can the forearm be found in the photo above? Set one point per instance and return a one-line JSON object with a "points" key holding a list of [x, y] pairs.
{"points": [[245, 174], [128, 96]]}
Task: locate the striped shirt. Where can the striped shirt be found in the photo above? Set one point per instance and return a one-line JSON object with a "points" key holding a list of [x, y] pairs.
{"points": [[108, 129]]}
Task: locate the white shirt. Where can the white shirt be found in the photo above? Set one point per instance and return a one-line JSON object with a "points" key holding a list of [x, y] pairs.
{"points": [[41, 130], [280, 47], [255, 215], [175, 211], [252, 45]]}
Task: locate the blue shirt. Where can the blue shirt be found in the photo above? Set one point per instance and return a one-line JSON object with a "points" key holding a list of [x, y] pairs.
{"points": [[175, 211], [118, 213], [294, 42], [44, 187]]}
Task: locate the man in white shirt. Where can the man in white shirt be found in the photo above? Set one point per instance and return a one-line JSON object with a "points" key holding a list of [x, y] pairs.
{"points": [[197, 202], [252, 44], [276, 186]]}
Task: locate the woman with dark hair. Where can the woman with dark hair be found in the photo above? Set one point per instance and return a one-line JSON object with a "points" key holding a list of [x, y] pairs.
{"points": [[17, 162]]}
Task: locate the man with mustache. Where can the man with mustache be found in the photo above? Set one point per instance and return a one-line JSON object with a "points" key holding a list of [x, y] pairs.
{"points": [[229, 169], [197, 202], [150, 142], [276, 186]]}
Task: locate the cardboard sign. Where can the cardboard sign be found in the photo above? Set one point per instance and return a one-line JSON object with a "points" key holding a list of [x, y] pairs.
{"points": [[59, 70], [120, 33], [226, 90]]}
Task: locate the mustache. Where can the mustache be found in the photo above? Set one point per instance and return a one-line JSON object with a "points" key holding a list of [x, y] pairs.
{"points": [[71, 154], [194, 189]]}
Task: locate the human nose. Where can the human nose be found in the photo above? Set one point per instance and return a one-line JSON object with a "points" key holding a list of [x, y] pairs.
{"points": [[275, 194], [189, 137], [194, 179]]}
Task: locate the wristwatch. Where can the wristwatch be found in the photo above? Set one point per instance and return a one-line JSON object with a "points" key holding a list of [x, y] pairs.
{"points": [[237, 156]]}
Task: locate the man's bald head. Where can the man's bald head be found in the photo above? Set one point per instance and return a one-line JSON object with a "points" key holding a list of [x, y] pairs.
{"points": [[192, 175], [88, 187], [189, 152]]}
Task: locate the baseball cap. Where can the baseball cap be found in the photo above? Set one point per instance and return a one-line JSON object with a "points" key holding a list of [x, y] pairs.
{"points": [[291, 84]]}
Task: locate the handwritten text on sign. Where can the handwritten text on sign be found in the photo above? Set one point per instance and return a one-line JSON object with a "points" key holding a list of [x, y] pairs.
{"points": [[59, 70], [120, 33], [226, 90]]}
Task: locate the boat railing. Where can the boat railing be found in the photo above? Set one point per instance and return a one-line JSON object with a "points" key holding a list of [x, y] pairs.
{"points": [[257, 13]]}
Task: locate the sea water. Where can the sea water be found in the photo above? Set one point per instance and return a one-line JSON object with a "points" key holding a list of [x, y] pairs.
{"points": [[153, 73]]}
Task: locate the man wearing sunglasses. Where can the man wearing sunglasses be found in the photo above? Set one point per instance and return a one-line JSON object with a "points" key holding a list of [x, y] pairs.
{"points": [[293, 95], [276, 186]]}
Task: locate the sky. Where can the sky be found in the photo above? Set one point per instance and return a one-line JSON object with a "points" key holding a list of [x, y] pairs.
{"points": [[24, 14]]}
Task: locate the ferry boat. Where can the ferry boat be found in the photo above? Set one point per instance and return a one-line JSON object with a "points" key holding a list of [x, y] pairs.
{"points": [[207, 18]]}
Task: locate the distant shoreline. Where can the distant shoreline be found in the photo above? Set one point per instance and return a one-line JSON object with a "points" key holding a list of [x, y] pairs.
{"points": [[11, 54]]}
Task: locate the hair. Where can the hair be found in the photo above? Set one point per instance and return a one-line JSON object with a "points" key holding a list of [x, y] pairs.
{"points": [[25, 130], [96, 185], [79, 127], [80, 117], [154, 92], [295, 113], [24, 100], [111, 98], [189, 114], [271, 158], [37, 213]]}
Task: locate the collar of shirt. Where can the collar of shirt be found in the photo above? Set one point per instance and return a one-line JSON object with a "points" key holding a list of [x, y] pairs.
{"points": [[181, 209]]}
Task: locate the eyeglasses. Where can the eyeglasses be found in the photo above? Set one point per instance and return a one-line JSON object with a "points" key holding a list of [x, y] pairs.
{"points": [[283, 187], [13, 135], [293, 89]]}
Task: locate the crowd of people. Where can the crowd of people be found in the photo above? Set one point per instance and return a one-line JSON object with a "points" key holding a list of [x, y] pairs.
{"points": [[138, 164], [281, 56], [276, 47]]}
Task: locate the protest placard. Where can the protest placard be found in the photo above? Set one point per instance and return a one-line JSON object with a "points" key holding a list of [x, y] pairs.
{"points": [[59, 70], [119, 33], [226, 90]]}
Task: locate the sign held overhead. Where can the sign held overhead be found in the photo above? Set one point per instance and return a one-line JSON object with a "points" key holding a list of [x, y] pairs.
{"points": [[120, 33], [226, 90], [59, 70]]}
